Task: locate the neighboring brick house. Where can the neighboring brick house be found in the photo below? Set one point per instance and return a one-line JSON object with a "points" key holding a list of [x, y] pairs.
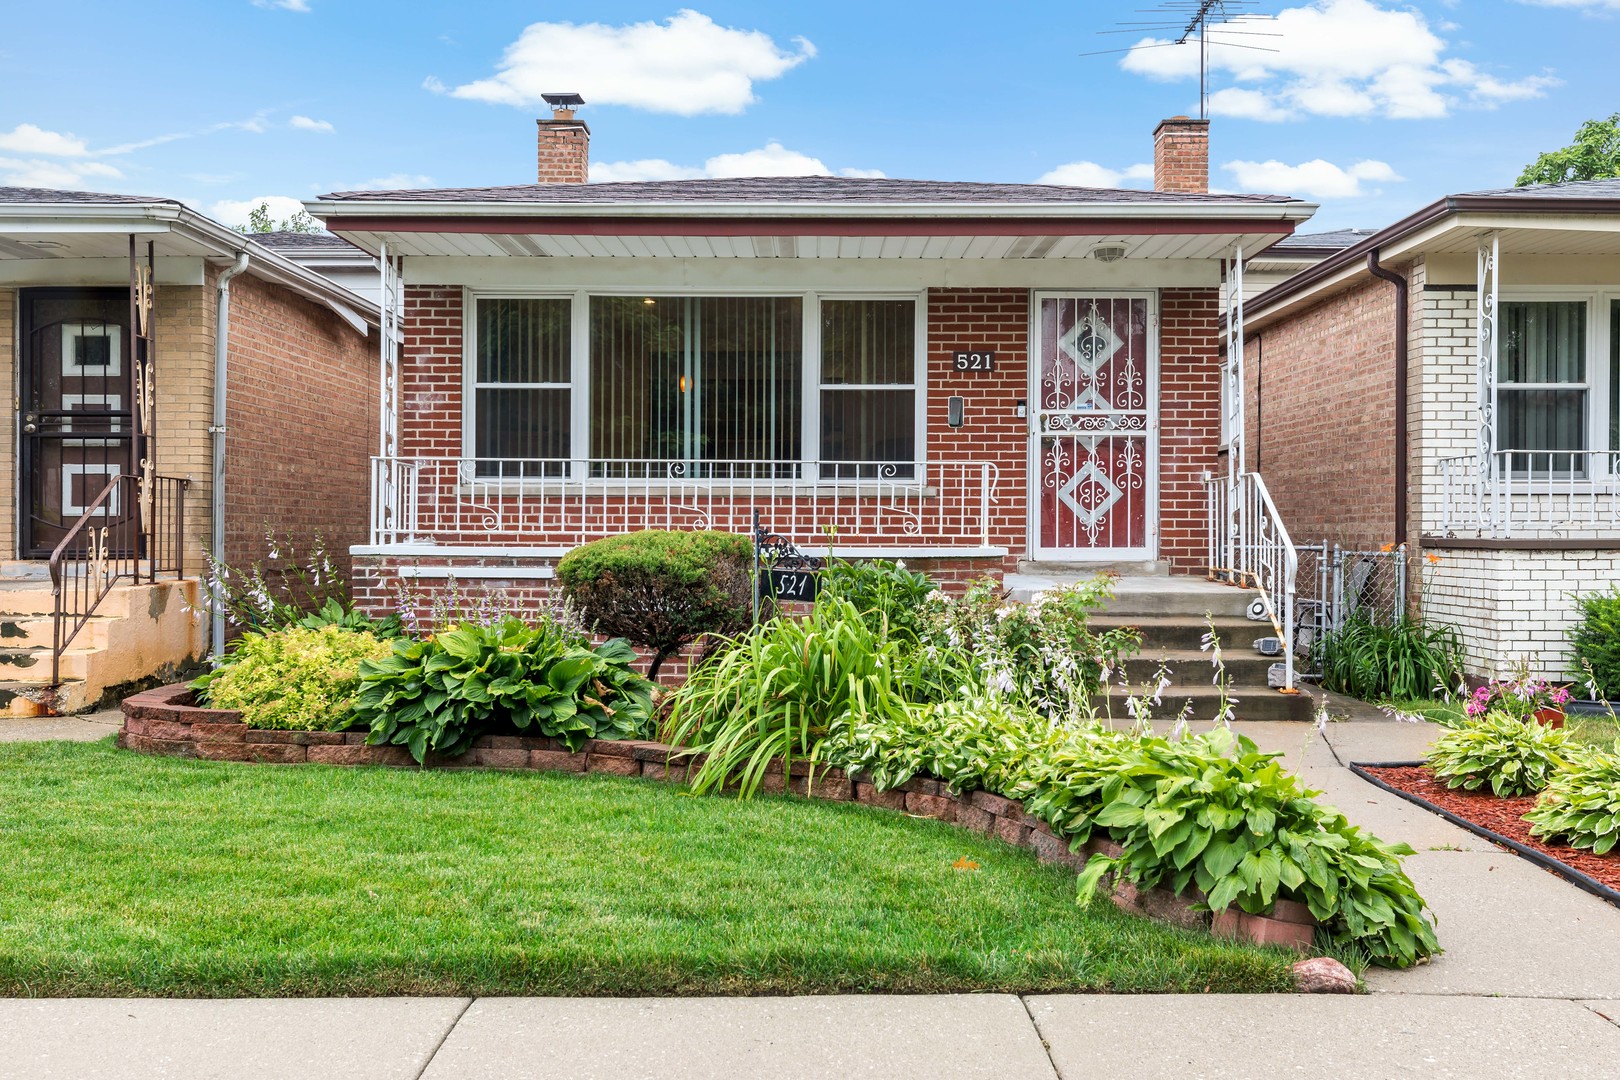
{"points": [[106, 300], [1497, 456], [966, 375]]}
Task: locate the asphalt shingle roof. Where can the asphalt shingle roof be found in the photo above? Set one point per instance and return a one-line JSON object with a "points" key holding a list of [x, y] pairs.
{"points": [[281, 240], [43, 196], [1575, 189], [792, 189], [1336, 240]]}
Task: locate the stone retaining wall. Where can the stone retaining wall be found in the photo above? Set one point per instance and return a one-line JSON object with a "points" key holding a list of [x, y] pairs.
{"points": [[164, 721]]}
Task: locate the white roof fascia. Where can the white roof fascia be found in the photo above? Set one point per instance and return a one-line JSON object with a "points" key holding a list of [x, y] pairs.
{"points": [[1292, 211]]}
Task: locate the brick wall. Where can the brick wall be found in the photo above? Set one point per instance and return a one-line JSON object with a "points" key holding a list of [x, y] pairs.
{"points": [[1444, 396], [1515, 607], [302, 419], [996, 319], [1189, 422], [1320, 416], [958, 319]]}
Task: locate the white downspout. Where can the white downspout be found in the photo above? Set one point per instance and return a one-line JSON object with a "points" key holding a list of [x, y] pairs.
{"points": [[222, 340]]}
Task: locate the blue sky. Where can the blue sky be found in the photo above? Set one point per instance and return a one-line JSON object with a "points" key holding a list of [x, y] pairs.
{"points": [[1369, 107]]}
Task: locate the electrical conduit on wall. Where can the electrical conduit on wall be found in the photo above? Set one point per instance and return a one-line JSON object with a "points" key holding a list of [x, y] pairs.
{"points": [[222, 339]]}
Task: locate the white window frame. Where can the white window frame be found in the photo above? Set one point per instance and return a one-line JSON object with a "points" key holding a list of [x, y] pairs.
{"points": [[1598, 374], [810, 374], [469, 368]]}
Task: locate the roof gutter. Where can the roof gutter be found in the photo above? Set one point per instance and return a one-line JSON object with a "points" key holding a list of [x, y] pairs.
{"points": [[1402, 359]]}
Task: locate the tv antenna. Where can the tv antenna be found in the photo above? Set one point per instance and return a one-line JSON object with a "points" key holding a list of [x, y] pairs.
{"points": [[1208, 22]]}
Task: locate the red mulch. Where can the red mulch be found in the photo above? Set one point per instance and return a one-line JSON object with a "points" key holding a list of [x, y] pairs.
{"points": [[1503, 816]]}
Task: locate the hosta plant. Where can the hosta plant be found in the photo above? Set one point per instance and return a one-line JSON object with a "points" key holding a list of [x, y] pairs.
{"points": [[295, 679], [1581, 806], [888, 596], [438, 694], [1501, 751]]}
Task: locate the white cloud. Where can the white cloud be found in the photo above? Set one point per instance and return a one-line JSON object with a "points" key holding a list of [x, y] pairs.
{"points": [[1341, 58], [1089, 174], [28, 139], [772, 159], [41, 173], [393, 182], [284, 5], [304, 123], [235, 212], [864, 174], [434, 84], [687, 65], [1317, 179], [1587, 5]]}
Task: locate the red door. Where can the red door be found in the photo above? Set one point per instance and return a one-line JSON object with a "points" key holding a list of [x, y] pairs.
{"points": [[1094, 470]]}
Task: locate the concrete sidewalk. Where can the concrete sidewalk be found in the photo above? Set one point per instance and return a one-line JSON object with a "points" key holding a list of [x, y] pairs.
{"points": [[964, 1037], [1526, 988]]}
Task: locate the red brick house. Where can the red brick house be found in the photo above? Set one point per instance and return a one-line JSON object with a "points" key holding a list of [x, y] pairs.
{"points": [[179, 389], [970, 376], [1382, 408]]}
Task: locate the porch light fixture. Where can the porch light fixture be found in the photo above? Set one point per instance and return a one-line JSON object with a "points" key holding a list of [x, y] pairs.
{"points": [[42, 244], [649, 301], [683, 384], [1108, 252]]}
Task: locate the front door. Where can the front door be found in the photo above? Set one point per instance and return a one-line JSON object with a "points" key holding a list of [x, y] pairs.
{"points": [[74, 414], [1094, 446]]}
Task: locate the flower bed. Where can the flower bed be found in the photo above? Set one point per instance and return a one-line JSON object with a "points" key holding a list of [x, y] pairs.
{"points": [[166, 721], [1503, 816]]}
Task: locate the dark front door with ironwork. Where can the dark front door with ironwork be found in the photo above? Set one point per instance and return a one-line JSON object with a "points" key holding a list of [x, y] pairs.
{"points": [[74, 413]]}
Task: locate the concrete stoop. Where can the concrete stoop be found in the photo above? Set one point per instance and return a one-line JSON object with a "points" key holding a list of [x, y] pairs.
{"points": [[1173, 614], [137, 632]]}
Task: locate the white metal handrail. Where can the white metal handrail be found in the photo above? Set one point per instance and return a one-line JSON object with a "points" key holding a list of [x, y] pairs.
{"points": [[1250, 547], [563, 502], [1523, 493]]}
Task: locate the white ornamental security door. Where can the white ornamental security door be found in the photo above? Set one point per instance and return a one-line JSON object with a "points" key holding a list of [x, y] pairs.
{"points": [[1094, 465]]}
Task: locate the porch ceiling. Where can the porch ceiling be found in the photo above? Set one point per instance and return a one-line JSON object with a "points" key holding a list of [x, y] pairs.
{"points": [[46, 242], [1602, 240], [1023, 245]]}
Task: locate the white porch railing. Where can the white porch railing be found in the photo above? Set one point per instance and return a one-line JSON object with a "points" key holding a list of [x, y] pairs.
{"points": [[1250, 547], [1530, 494], [537, 502]]}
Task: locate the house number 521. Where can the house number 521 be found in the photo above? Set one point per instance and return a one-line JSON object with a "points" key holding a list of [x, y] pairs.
{"points": [[973, 361]]}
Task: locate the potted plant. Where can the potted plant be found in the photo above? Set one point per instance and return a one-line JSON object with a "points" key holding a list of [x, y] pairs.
{"points": [[1523, 697]]}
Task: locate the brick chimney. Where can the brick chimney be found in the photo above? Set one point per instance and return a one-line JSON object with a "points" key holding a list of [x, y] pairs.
{"points": [[1181, 156], [565, 143]]}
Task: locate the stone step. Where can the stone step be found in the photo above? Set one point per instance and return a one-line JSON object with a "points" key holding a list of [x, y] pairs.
{"points": [[1161, 632], [1190, 667], [1253, 703], [36, 631], [21, 698], [1184, 596]]}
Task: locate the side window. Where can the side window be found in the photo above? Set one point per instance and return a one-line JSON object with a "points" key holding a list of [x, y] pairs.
{"points": [[521, 395]]}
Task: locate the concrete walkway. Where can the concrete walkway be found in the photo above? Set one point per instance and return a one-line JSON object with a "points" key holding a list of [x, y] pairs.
{"points": [[86, 727], [1529, 986]]}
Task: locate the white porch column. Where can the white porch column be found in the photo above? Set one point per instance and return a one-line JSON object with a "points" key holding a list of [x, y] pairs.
{"points": [[1485, 355], [1232, 420]]}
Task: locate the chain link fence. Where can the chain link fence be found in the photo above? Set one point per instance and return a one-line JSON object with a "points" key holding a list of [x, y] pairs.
{"points": [[1332, 583]]}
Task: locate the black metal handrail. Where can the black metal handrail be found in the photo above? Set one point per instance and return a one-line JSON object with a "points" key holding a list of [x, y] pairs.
{"points": [[116, 537]]}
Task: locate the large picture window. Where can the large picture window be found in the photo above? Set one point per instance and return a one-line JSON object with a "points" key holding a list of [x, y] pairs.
{"points": [[521, 386], [688, 387], [696, 381]]}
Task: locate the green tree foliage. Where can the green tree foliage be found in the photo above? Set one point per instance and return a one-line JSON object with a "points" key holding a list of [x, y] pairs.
{"points": [[1594, 155], [260, 221]]}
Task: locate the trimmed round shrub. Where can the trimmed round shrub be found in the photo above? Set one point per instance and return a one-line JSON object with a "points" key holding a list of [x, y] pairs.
{"points": [[295, 679], [1581, 805], [1596, 640], [1515, 757], [662, 589]]}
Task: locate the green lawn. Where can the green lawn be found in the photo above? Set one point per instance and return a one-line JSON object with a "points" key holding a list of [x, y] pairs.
{"points": [[129, 875]]}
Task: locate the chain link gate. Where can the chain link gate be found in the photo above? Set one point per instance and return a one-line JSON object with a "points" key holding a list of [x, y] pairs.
{"points": [[1333, 582]]}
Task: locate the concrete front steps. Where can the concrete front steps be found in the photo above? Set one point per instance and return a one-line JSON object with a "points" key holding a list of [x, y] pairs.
{"points": [[1173, 614], [138, 631]]}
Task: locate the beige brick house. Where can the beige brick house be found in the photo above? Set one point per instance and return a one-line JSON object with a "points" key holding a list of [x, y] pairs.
{"points": [[129, 458], [1382, 408]]}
